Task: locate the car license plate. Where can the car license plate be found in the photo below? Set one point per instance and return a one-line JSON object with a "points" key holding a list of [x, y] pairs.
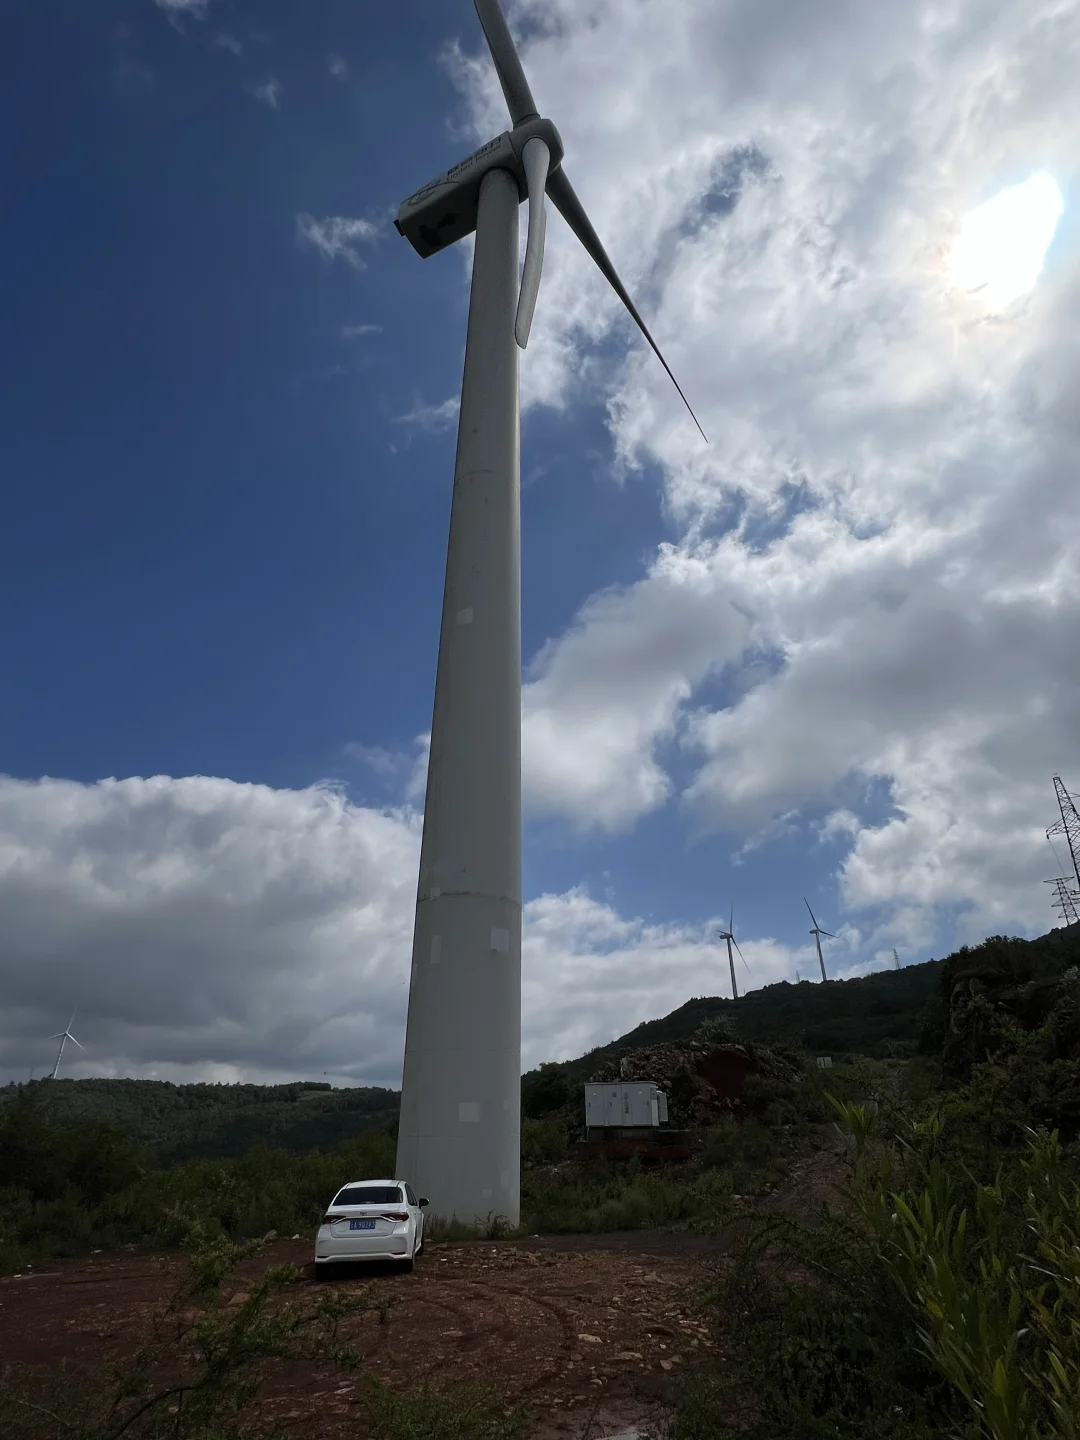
{"points": [[361, 1224]]}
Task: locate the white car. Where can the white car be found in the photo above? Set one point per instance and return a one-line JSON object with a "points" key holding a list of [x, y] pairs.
{"points": [[371, 1220]]}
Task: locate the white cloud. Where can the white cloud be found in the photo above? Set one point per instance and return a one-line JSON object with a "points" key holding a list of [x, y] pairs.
{"points": [[200, 922], [889, 498], [336, 237], [337, 67], [224, 41], [354, 332], [403, 773], [432, 418], [600, 700], [193, 9], [268, 92], [206, 929]]}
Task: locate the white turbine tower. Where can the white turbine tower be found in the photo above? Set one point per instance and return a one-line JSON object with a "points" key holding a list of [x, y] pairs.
{"points": [[459, 1135], [729, 936], [64, 1036], [817, 933]]}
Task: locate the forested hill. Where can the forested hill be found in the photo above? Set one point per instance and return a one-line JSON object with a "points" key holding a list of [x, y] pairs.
{"points": [[185, 1122], [881, 1014]]}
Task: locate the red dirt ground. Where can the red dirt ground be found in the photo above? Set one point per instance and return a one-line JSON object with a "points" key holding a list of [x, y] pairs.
{"points": [[572, 1325]]}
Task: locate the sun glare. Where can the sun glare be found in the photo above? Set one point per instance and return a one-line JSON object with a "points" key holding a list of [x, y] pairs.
{"points": [[999, 250]]}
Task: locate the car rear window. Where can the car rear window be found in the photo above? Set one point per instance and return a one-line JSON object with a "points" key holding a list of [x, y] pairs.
{"points": [[368, 1195]]}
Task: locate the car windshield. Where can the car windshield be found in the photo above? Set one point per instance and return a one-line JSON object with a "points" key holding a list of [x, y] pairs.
{"points": [[368, 1195]]}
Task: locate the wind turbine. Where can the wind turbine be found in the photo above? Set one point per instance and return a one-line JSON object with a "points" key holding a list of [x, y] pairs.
{"points": [[817, 933], [459, 1136], [729, 936], [896, 960], [64, 1036]]}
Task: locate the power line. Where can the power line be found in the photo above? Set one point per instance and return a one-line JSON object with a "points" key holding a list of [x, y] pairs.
{"points": [[1067, 901], [1068, 825]]}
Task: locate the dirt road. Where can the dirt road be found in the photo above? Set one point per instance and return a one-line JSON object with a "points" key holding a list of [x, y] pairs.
{"points": [[572, 1325]]}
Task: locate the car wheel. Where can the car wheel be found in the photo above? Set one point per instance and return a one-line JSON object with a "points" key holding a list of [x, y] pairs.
{"points": [[407, 1265]]}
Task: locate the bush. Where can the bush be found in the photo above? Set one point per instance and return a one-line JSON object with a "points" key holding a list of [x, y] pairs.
{"points": [[544, 1142], [990, 1272]]}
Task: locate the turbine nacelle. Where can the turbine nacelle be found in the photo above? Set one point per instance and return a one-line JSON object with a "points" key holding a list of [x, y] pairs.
{"points": [[445, 209]]}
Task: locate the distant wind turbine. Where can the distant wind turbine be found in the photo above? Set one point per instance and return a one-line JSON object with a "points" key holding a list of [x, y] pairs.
{"points": [[817, 933], [64, 1036], [729, 936], [896, 960]]}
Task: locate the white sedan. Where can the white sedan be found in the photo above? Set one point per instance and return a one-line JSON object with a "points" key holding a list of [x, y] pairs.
{"points": [[371, 1220]]}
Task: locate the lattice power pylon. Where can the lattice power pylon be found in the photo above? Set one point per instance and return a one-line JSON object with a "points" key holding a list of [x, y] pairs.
{"points": [[1068, 825], [1067, 900]]}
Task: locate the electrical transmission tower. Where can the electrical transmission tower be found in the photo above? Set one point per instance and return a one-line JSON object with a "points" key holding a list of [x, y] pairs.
{"points": [[1068, 825], [1067, 900]]}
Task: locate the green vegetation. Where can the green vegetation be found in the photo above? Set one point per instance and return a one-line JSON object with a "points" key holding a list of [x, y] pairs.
{"points": [[189, 1122], [939, 1298], [70, 1188], [942, 1299]]}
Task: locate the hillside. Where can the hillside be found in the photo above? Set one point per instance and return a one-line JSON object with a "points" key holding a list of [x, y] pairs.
{"points": [[892, 1012], [880, 1014], [187, 1122]]}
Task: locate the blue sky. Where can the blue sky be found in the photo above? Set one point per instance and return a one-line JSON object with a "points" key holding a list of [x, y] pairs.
{"points": [[774, 669]]}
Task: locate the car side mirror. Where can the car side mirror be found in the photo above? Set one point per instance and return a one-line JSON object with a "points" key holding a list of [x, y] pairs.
{"points": [[421, 1203]]}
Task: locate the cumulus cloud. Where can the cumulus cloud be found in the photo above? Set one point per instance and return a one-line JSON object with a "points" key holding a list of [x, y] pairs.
{"points": [[337, 67], [889, 502], [211, 930], [200, 923], [602, 698], [336, 237]]}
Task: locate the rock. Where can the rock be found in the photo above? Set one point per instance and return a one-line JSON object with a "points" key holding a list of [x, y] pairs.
{"points": [[629, 1355], [665, 1364], [590, 1339]]}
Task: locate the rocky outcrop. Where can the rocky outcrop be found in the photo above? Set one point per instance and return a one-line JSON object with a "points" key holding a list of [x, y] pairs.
{"points": [[702, 1079]]}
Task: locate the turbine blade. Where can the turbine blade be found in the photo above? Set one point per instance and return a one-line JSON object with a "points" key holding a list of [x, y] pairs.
{"points": [[76, 1042], [565, 200], [807, 904], [519, 99], [828, 934], [537, 159], [731, 918], [58, 1036], [742, 957]]}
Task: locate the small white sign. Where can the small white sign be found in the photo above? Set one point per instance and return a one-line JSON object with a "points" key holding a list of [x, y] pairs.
{"points": [[468, 1112], [464, 617]]}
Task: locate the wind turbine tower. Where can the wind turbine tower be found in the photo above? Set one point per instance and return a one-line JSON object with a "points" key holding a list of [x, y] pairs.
{"points": [[729, 936], [817, 933], [64, 1036], [459, 1137], [896, 960]]}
